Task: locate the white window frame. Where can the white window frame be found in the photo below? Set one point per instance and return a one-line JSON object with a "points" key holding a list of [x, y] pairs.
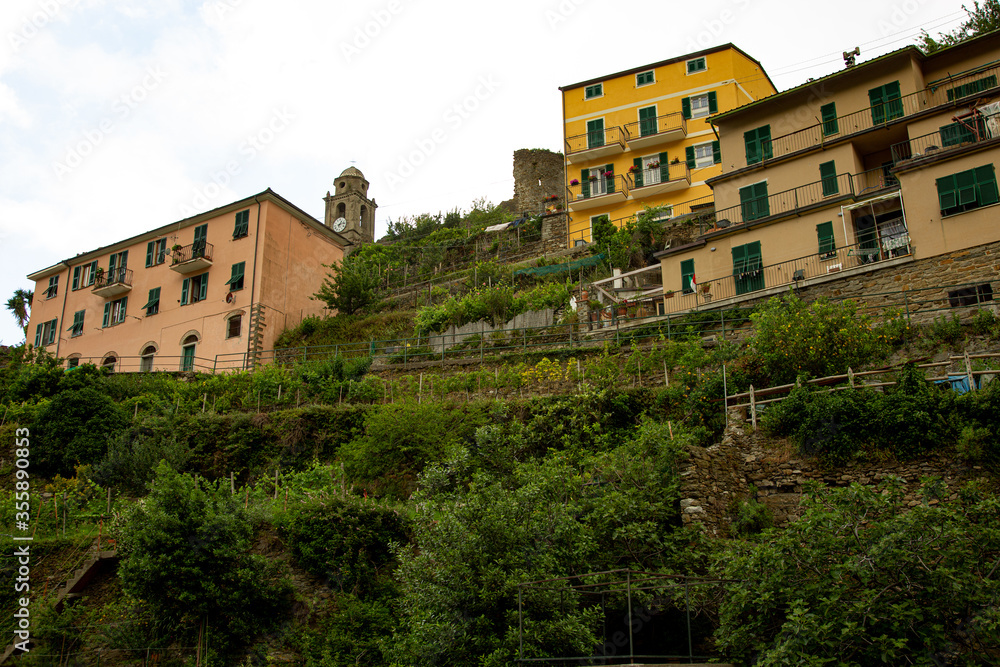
{"points": [[700, 162], [700, 111], [600, 93], [687, 65], [650, 175], [118, 311], [649, 71]]}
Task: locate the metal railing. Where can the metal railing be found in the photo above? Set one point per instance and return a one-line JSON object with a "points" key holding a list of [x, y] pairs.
{"points": [[119, 276], [800, 270], [193, 251], [642, 178], [665, 124], [811, 194], [934, 143], [609, 136], [154, 363], [618, 184], [866, 119]]}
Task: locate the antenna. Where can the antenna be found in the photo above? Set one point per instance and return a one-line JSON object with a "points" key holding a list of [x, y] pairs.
{"points": [[850, 55]]}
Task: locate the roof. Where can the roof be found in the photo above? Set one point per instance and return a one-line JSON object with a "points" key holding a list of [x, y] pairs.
{"points": [[352, 171], [671, 61], [268, 194], [907, 51]]}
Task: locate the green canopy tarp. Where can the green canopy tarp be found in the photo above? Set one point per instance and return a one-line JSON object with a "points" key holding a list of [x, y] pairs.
{"points": [[561, 268]]}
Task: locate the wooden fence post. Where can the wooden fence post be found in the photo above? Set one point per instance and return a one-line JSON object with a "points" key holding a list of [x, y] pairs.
{"points": [[968, 371], [753, 408], [850, 376]]}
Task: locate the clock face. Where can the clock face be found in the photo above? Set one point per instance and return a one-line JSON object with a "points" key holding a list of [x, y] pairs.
{"points": [[340, 224]]}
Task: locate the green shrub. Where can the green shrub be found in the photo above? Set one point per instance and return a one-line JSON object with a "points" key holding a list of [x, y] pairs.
{"points": [[985, 323], [946, 330], [132, 458], [73, 429], [750, 516]]}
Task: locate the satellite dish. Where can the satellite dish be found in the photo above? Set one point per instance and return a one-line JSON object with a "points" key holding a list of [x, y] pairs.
{"points": [[230, 297]]}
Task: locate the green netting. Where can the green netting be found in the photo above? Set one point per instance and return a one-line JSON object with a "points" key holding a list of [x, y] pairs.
{"points": [[561, 268]]}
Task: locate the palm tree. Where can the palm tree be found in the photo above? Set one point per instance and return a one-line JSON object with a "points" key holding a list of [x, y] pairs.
{"points": [[20, 306]]}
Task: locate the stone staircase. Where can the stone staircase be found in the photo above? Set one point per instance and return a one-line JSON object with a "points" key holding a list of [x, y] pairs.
{"points": [[76, 583]]}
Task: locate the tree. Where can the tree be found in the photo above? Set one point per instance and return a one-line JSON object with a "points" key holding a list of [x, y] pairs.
{"points": [[20, 307], [352, 286], [186, 552], [982, 19], [861, 579]]}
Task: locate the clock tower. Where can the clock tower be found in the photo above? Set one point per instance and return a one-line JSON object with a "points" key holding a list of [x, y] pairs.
{"points": [[349, 211]]}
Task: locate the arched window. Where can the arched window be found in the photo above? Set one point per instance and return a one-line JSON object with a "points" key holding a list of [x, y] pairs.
{"points": [[146, 361], [109, 362]]}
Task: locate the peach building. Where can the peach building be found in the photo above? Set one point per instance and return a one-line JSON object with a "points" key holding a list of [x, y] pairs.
{"points": [[206, 293]]}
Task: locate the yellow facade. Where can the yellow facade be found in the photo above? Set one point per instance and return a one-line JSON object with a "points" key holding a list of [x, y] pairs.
{"points": [[839, 177], [641, 138]]}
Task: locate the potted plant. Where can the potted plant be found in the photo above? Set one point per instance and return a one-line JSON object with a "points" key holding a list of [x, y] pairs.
{"points": [[676, 160], [634, 168], [705, 287], [593, 177], [653, 165], [559, 207], [575, 182], [176, 247], [669, 294]]}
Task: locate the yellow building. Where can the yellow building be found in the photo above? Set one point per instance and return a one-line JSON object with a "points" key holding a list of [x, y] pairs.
{"points": [[885, 164], [641, 138], [211, 292]]}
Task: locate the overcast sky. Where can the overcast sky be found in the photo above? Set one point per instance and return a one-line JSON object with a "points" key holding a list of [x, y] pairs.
{"points": [[117, 116]]}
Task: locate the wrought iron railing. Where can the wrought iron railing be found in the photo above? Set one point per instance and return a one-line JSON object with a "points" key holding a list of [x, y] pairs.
{"points": [[597, 139], [675, 171], [119, 276], [194, 251], [935, 142], [784, 202], [871, 117], [598, 187], [650, 127]]}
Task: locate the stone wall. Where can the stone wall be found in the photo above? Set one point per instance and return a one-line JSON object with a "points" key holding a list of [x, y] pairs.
{"points": [[717, 477], [538, 173]]}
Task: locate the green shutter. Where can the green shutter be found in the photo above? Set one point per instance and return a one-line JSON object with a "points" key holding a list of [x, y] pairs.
{"points": [[739, 259], [689, 156], [185, 288], [829, 115], [716, 152], [946, 193], [876, 96], [828, 176], [687, 273], [637, 162], [585, 183], [750, 143], [753, 201], [610, 178], [595, 133], [112, 264], [764, 136], [987, 183], [758, 144], [686, 108], [38, 335], [123, 255], [886, 103], [76, 277], [107, 314], [647, 121], [713, 102], [664, 168], [204, 287], [150, 251], [760, 194], [154, 298], [93, 273], [827, 244], [965, 182], [237, 273]]}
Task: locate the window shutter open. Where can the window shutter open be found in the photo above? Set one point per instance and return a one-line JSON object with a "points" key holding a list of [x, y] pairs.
{"points": [[93, 273], [739, 260], [716, 152], [713, 102], [686, 108], [38, 335], [637, 162], [689, 156], [76, 277], [987, 181], [965, 183], [687, 272], [585, 183], [664, 168], [185, 288], [610, 170], [204, 287], [107, 314], [150, 251]]}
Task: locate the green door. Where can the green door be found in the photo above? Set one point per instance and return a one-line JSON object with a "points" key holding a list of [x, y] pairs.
{"points": [[647, 121], [595, 133], [187, 360], [748, 269], [200, 241]]}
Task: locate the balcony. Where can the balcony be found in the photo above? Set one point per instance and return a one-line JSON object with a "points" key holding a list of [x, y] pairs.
{"points": [[600, 191], [113, 283], [654, 182], [797, 200], [655, 131], [804, 271], [967, 86], [595, 145], [192, 258], [942, 141]]}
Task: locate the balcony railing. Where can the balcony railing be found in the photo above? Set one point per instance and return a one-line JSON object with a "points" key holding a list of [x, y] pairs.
{"points": [[869, 118], [112, 283], [609, 141], [790, 201], [795, 271], [659, 180], [934, 143], [598, 191], [669, 127], [192, 257]]}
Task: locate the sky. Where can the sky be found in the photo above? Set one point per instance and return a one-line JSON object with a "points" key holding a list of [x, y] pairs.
{"points": [[118, 116]]}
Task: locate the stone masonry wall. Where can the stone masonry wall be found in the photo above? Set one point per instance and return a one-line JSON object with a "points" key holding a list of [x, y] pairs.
{"points": [[538, 173], [717, 477]]}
